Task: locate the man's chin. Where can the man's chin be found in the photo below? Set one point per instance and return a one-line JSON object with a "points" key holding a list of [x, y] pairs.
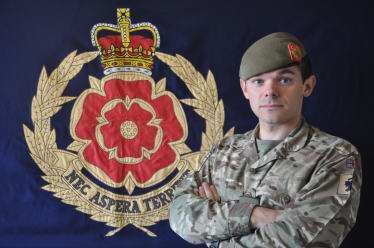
{"points": [[273, 120]]}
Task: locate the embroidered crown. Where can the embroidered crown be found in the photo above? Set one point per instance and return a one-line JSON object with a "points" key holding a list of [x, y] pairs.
{"points": [[124, 52]]}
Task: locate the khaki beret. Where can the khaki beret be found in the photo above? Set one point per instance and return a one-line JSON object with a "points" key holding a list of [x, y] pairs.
{"points": [[272, 52]]}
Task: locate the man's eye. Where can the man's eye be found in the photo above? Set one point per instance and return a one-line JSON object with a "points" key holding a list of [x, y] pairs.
{"points": [[285, 80], [258, 81]]}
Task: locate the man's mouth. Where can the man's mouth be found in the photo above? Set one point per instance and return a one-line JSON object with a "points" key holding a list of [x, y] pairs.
{"points": [[271, 106]]}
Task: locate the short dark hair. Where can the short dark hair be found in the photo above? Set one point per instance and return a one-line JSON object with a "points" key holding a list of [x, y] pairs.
{"points": [[305, 68]]}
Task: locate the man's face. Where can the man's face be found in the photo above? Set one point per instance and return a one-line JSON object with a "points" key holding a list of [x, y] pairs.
{"points": [[276, 97]]}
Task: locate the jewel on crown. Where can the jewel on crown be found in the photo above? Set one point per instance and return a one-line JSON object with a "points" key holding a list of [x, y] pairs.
{"points": [[124, 52]]}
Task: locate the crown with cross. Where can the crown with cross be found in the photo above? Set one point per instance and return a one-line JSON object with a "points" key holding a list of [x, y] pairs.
{"points": [[124, 52]]}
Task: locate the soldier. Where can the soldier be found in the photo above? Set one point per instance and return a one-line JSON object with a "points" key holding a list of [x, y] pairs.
{"points": [[283, 184]]}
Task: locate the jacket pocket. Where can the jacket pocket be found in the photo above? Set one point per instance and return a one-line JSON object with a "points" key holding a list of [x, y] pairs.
{"points": [[281, 189]]}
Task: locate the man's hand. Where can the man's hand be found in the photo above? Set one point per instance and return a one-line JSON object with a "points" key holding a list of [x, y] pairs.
{"points": [[207, 191], [261, 216]]}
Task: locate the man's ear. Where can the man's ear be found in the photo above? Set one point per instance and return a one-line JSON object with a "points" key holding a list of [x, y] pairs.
{"points": [[309, 84], [242, 85]]}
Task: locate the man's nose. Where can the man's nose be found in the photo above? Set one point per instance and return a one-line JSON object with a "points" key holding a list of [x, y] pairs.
{"points": [[271, 89]]}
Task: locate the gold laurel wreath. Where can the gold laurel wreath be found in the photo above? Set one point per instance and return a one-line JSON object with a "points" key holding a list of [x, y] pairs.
{"points": [[48, 101], [206, 103]]}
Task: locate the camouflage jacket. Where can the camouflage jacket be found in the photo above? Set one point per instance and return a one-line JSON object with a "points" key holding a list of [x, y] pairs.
{"points": [[315, 177]]}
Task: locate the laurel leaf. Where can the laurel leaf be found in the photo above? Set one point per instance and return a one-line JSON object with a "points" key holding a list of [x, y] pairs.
{"points": [[51, 188], [206, 143], [51, 158], [75, 201], [65, 194], [219, 115], [102, 217], [42, 165], [57, 181], [65, 65], [30, 140], [190, 71], [210, 130], [52, 81], [56, 102], [46, 129], [182, 148], [43, 78], [75, 146], [212, 88], [36, 113], [55, 90], [161, 85], [181, 73], [205, 114], [197, 104], [48, 158], [196, 78], [177, 68], [168, 59], [85, 57], [40, 146], [230, 132], [197, 92], [51, 139], [219, 136], [87, 209], [94, 82], [49, 112], [73, 71]]}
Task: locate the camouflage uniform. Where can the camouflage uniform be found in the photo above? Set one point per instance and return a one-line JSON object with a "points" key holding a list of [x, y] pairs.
{"points": [[309, 175]]}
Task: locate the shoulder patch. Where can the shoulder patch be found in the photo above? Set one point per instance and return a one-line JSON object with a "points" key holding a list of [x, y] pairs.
{"points": [[351, 163], [345, 184]]}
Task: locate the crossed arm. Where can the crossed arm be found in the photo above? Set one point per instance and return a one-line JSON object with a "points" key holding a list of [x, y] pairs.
{"points": [[260, 216], [318, 216]]}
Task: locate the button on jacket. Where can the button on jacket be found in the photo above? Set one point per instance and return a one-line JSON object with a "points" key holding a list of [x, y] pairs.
{"points": [[313, 176]]}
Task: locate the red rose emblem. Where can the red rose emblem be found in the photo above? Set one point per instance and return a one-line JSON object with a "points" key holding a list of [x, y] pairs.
{"points": [[128, 128]]}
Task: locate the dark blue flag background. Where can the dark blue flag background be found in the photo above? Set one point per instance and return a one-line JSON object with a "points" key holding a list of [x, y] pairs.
{"points": [[212, 35]]}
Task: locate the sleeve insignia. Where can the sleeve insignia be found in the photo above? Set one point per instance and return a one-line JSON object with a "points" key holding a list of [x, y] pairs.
{"points": [[345, 184], [350, 163]]}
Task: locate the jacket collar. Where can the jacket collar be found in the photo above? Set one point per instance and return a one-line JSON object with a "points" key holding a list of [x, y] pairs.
{"points": [[293, 142]]}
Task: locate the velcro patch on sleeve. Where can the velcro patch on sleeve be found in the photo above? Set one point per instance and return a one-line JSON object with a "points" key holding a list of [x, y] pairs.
{"points": [[351, 163], [345, 184]]}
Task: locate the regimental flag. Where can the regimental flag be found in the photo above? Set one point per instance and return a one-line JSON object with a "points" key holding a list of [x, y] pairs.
{"points": [[129, 132]]}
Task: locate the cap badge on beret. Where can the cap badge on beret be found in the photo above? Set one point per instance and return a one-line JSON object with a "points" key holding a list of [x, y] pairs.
{"points": [[295, 52]]}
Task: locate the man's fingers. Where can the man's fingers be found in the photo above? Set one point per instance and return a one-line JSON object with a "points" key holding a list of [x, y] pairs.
{"points": [[208, 192], [202, 192], [214, 190]]}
